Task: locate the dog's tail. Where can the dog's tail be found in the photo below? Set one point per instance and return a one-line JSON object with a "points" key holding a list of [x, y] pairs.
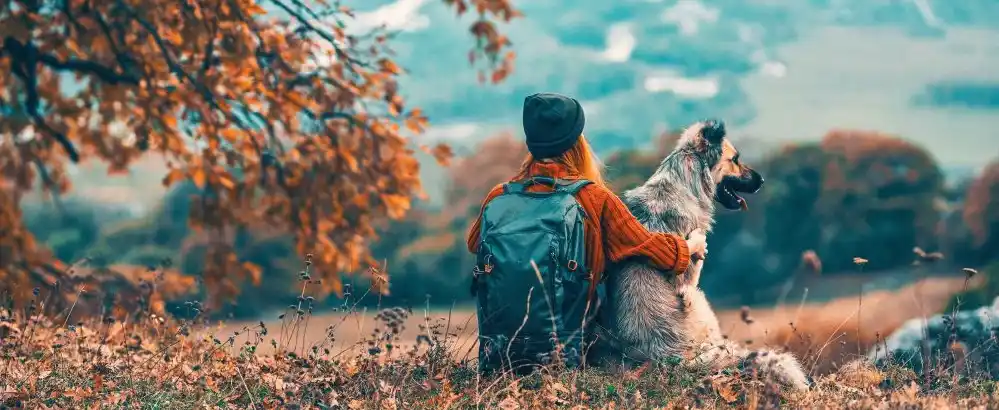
{"points": [[769, 365]]}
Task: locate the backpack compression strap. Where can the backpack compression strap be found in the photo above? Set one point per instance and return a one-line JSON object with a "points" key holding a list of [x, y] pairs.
{"points": [[573, 187], [560, 185]]}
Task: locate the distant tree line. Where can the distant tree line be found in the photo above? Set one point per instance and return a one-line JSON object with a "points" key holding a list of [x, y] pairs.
{"points": [[851, 194]]}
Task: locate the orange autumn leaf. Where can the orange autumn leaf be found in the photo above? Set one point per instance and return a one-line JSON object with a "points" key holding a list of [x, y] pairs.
{"points": [[389, 66], [227, 182], [443, 154], [198, 176], [396, 205], [172, 177], [254, 270], [230, 134]]}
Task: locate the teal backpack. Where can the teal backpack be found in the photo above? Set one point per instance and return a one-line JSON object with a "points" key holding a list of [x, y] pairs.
{"points": [[533, 314]]}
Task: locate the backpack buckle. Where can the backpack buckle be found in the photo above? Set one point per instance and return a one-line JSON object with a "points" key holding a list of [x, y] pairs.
{"points": [[487, 263], [487, 267]]}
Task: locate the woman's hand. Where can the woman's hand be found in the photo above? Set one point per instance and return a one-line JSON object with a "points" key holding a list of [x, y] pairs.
{"points": [[697, 244]]}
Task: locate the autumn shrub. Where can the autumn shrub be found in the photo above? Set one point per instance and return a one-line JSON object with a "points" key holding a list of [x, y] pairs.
{"points": [[855, 194], [68, 227]]}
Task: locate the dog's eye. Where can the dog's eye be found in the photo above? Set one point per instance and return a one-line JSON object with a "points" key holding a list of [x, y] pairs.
{"points": [[735, 159]]}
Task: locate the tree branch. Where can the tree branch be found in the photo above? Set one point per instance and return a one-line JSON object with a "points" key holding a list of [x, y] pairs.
{"points": [[326, 36], [24, 64], [49, 184], [126, 62], [106, 74]]}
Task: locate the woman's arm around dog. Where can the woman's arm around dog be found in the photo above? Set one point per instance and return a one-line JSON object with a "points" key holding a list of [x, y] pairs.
{"points": [[616, 233], [625, 237]]}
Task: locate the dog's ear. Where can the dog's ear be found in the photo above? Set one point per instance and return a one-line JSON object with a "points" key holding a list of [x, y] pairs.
{"points": [[713, 131]]}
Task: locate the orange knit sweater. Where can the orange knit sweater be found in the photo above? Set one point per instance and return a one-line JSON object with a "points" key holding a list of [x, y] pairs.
{"points": [[610, 233]]}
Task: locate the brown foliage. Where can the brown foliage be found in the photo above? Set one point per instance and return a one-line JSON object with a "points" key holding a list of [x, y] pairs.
{"points": [[81, 291], [981, 207], [493, 45], [495, 160], [293, 125], [881, 171]]}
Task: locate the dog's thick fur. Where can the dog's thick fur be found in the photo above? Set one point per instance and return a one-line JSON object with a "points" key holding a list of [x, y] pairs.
{"points": [[651, 315]]}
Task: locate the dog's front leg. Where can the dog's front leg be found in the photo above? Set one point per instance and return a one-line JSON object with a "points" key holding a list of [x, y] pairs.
{"points": [[692, 276]]}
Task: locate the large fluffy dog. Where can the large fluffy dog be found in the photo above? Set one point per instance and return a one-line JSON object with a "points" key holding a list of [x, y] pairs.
{"points": [[652, 315]]}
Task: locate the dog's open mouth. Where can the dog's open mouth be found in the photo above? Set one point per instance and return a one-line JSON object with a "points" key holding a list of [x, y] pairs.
{"points": [[726, 196], [726, 190]]}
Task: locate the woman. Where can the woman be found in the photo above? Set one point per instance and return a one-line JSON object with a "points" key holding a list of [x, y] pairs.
{"points": [[558, 150]]}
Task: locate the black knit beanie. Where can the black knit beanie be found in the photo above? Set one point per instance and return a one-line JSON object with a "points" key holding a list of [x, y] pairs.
{"points": [[552, 124]]}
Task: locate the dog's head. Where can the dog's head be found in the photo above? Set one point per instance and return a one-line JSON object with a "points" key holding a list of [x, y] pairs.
{"points": [[730, 176]]}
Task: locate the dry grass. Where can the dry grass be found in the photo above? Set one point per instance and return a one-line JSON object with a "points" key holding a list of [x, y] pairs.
{"points": [[354, 359], [825, 334]]}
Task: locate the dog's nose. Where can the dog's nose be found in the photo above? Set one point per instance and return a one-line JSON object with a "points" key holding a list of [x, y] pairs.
{"points": [[757, 180], [714, 129]]}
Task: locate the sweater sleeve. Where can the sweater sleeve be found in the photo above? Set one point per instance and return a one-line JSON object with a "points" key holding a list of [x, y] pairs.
{"points": [[472, 238], [625, 237]]}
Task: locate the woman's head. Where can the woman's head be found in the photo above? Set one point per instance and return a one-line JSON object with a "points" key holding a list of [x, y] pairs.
{"points": [[553, 125]]}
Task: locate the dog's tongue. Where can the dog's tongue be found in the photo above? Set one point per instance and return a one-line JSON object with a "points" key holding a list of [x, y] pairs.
{"points": [[743, 204]]}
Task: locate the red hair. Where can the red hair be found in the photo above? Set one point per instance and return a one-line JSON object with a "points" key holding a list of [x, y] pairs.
{"points": [[579, 160]]}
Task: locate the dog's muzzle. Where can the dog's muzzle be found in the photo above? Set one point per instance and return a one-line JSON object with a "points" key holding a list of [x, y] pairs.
{"points": [[750, 182], [747, 184]]}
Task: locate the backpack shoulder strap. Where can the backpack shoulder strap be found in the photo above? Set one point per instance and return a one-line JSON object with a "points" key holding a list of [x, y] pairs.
{"points": [[572, 187], [514, 187]]}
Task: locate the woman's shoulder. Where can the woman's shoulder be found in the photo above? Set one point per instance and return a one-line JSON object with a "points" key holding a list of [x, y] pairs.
{"points": [[494, 192], [595, 192]]}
